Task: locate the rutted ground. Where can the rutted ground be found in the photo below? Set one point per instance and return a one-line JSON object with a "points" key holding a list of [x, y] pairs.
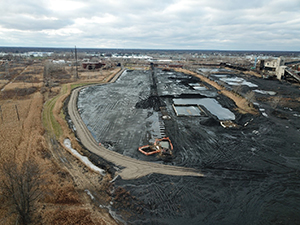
{"points": [[132, 168], [251, 173]]}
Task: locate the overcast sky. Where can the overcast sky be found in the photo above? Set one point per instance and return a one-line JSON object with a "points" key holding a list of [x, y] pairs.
{"points": [[152, 24]]}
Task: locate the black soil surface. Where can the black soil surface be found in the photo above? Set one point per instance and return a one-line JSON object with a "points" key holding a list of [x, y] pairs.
{"points": [[251, 173]]}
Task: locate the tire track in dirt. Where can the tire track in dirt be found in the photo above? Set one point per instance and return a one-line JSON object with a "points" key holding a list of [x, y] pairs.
{"points": [[132, 168], [13, 79]]}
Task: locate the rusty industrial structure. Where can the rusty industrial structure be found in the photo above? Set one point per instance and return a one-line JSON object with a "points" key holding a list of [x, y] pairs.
{"points": [[92, 65], [279, 68]]}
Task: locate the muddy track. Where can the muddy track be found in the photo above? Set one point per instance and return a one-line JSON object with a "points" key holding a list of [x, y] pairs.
{"points": [[131, 168]]}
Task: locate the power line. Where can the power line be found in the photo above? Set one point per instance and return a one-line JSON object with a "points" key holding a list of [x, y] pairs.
{"points": [[76, 70]]}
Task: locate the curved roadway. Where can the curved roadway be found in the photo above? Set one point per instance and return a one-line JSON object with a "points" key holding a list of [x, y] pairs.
{"points": [[132, 168]]}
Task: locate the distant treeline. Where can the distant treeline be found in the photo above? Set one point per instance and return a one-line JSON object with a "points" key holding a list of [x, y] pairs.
{"points": [[149, 51]]}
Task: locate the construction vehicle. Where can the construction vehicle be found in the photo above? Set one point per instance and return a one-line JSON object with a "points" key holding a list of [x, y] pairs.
{"points": [[161, 145]]}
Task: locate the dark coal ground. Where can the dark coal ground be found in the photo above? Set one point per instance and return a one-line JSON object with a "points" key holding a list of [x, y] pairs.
{"points": [[251, 173]]}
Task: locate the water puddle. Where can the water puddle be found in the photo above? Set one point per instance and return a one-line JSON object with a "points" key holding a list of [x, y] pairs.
{"points": [[187, 111], [265, 92], [220, 75], [85, 160], [212, 105], [198, 87], [237, 81], [214, 70]]}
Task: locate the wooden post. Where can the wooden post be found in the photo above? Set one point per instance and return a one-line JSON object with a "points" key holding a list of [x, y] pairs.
{"points": [[7, 70], [1, 114], [17, 112]]}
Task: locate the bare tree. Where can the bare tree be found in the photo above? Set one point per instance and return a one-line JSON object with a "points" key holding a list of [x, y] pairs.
{"points": [[21, 189], [46, 75]]}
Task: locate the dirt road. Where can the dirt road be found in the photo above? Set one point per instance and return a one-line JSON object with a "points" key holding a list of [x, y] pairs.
{"points": [[132, 168]]}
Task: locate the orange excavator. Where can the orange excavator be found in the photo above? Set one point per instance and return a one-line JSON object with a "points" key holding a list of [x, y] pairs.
{"points": [[161, 145]]}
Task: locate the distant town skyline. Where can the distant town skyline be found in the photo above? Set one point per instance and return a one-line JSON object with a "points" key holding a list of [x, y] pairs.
{"points": [[271, 25]]}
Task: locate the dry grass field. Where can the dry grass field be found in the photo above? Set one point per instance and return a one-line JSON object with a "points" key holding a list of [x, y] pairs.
{"points": [[26, 134]]}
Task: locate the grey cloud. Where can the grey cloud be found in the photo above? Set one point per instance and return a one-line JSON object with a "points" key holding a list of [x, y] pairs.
{"points": [[23, 22], [205, 24], [15, 7]]}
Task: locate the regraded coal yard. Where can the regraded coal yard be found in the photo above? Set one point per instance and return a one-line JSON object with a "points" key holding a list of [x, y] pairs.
{"points": [[251, 172]]}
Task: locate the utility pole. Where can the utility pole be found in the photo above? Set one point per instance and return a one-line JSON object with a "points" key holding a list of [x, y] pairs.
{"points": [[76, 72], [72, 64]]}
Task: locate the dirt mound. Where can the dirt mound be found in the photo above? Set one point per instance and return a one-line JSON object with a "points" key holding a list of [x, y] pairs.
{"points": [[151, 102], [210, 122], [244, 119], [280, 114]]}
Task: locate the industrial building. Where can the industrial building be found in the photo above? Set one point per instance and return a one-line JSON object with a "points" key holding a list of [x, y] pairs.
{"points": [[277, 66]]}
